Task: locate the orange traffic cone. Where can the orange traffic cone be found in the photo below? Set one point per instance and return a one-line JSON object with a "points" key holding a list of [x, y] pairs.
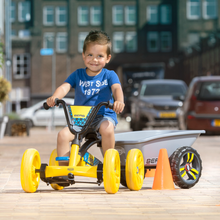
{"points": [[150, 173], [163, 177]]}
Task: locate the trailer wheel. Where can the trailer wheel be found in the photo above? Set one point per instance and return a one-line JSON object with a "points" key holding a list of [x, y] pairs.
{"points": [[186, 167]]}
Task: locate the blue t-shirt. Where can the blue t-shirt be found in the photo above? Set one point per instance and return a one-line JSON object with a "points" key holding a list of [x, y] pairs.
{"points": [[91, 90]]}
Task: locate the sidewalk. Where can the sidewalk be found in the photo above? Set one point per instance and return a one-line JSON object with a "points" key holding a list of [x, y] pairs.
{"points": [[90, 201]]}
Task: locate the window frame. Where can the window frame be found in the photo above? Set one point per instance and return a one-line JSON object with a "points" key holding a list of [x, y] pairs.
{"points": [[58, 13], [118, 34], [114, 13], [205, 5], [169, 41], [168, 9], [45, 13], [79, 13], [61, 34], [24, 30], [92, 14], [20, 8], [149, 13], [81, 38], [154, 34], [132, 34], [15, 68], [13, 8], [48, 34], [188, 10], [127, 21]]}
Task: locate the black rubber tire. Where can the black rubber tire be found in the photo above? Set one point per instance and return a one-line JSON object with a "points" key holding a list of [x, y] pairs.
{"points": [[123, 178], [185, 162]]}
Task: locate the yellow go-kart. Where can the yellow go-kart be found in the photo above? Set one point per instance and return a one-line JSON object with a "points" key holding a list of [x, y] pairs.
{"points": [[82, 163]]}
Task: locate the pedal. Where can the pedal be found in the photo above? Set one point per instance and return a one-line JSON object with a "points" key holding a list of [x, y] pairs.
{"points": [[62, 158]]}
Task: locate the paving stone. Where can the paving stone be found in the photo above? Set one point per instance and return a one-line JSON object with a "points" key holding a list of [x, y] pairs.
{"points": [[88, 201]]}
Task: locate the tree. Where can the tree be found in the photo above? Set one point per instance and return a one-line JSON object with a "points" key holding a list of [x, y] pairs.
{"points": [[5, 86]]}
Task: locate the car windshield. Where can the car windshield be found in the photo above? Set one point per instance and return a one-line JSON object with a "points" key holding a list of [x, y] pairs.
{"points": [[209, 91], [162, 90]]}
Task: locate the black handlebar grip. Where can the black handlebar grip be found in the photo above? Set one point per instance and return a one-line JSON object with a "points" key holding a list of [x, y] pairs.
{"points": [[46, 106], [56, 101], [110, 105]]}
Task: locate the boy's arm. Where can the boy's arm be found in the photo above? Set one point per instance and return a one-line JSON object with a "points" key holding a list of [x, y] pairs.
{"points": [[119, 98], [60, 92]]}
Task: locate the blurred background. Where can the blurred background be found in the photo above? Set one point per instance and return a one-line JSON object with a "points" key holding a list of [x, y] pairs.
{"points": [[151, 39]]}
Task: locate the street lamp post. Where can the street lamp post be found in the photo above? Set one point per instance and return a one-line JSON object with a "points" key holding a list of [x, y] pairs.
{"points": [[51, 52]]}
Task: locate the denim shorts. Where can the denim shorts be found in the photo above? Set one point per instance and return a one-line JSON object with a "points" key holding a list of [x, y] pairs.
{"points": [[96, 123]]}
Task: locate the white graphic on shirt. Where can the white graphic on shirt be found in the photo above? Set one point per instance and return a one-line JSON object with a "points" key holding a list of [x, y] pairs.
{"points": [[92, 91]]}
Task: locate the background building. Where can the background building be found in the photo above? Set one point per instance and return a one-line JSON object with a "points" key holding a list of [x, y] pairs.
{"points": [[150, 38]]}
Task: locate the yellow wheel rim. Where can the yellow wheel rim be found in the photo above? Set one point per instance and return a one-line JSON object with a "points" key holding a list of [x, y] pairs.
{"points": [[29, 178], [111, 171], [134, 169]]}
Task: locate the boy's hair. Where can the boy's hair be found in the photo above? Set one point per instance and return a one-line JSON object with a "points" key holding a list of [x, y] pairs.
{"points": [[99, 37]]}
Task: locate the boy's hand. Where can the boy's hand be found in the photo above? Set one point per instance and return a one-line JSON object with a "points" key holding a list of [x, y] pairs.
{"points": [[51, 101], [118, 107]]}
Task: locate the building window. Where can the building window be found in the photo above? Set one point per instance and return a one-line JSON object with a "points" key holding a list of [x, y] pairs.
{"points": [[13, 33], [61, 15], [48, 40], [24, 11], [165, 14], [131, 41], [81, 39], [118, 42], [193, 9], [61, 41], [13, 11], [210, 9], [152, 42], [83, 15], [117, 15], [48, 15], [166, 41], [95, 15], [24, 33], [21, 66], [152, 14], [130, 15]]}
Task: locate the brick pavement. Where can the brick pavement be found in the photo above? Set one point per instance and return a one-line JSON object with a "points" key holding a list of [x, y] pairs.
{"points": [[87, 201]]}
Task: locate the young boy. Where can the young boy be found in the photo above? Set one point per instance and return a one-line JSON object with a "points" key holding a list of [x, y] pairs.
{"points": [[93, 85]]}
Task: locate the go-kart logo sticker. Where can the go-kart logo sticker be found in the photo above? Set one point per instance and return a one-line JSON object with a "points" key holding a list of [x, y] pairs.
{"points": [[79, 114], [151, 160]]}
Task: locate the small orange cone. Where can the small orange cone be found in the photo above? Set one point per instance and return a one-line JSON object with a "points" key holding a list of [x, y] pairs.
{"points": [[150, 173], [163, 177]]}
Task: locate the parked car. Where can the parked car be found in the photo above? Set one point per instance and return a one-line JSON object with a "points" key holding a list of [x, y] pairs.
{"points": [[201, 106], [38, 116], [153, 104]]}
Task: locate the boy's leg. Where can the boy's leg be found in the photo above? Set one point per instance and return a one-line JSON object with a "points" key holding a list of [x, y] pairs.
{"points": [[108, 137], [63, 147]]}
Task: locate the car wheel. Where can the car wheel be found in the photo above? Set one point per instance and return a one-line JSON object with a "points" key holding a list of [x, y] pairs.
{"points": [[186, 167], [30, 122]]}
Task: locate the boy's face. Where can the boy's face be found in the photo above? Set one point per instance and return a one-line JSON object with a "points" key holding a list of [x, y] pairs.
{"points": [[95, 58]]}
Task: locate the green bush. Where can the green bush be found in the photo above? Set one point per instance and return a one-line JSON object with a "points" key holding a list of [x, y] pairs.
{"points": [[13, 116], [5, 88]]}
